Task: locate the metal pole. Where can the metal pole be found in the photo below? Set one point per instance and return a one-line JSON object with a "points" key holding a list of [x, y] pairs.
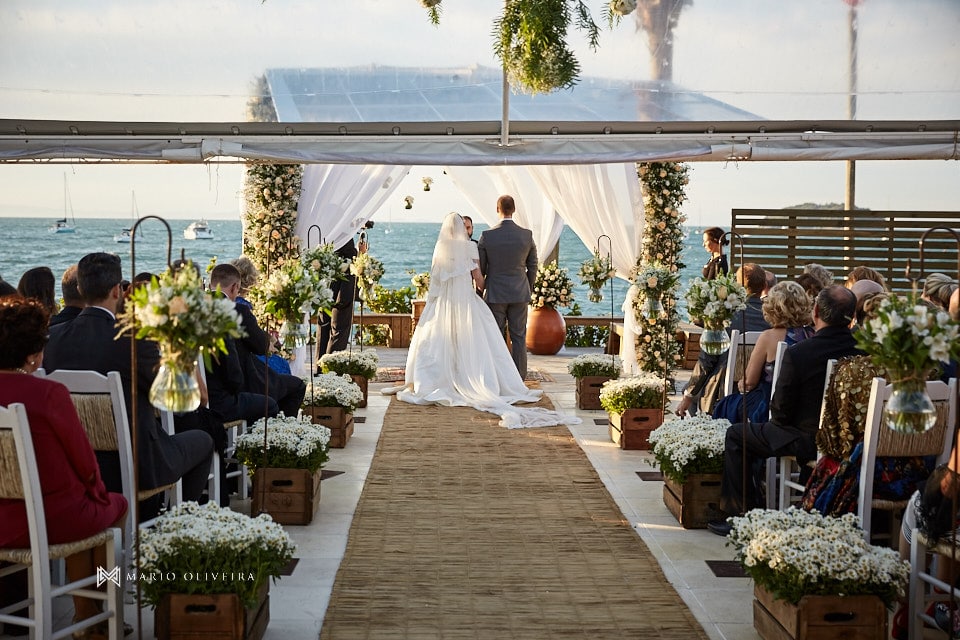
{"points": [[743, 347]]}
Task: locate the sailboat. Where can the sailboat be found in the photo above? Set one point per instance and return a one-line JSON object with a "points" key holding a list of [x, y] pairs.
{"points": [[126, 233], [62, 225]]}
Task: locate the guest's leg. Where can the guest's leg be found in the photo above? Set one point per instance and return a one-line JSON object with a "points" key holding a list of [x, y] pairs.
{"points": [[252, 406], [291, 391], [732, 498], [196, 451], [517, 321]]}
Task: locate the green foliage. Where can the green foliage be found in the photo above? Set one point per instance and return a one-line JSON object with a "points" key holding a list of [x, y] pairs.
{"points": [[386, 300]]}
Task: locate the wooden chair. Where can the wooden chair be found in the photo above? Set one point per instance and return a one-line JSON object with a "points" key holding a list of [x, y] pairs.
{"points": [[19, 480], [879, 440]]}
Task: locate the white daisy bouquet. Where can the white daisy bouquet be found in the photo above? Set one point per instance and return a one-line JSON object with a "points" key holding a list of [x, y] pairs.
{"points": [[293, 291], [333, 390], [208, 549], [552, 288], [368, 271], [595, 273], [421, 282], [692, 445], [795, 553], [713, 302], [643, 391], [175, 311], [292, 443], [351, 363], [595, 364]]}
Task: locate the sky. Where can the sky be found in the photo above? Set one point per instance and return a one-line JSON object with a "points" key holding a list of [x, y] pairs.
{"points": [[194, 60]]}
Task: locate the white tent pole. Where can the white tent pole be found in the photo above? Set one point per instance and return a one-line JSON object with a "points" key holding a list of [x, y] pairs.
{"points": [[505, 113]]}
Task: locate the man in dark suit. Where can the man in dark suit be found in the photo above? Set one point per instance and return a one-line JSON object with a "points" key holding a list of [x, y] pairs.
{"points": [[73, 302], [88, 343], [508, 262], [794, 408], [334, 327]]}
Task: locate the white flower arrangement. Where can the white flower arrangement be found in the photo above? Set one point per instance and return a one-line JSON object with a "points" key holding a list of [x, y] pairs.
{"points": [[293, 442], [552, 287], [175, 311], [427, 180], [368, 271], [713, 302], [189, 548], [333, 390], [325, 264], [794, 553], [408, 202], [293, 291], [692, 445], [653, 281], [421, 282], [595, 273], [595, 364], [271, 193], [642, 391], [360, 363]]}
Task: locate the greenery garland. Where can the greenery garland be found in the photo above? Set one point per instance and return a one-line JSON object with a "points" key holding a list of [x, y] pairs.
{"points": [[664, 190]]}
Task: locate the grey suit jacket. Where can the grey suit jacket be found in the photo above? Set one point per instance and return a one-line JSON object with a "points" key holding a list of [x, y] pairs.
{"points": [[508, 262]]}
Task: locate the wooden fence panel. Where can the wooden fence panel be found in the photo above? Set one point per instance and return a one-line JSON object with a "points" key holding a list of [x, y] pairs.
{"points": [[784, 240]]}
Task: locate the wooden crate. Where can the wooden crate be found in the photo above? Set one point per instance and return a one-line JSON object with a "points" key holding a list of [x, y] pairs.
{"points": [[690, 502], [588, 392], [337, 419], [819, 617], [211, 617], [631, 429], [363, 383], [290, 496]]}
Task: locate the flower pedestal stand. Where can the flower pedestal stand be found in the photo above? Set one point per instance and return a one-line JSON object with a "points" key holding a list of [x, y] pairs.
{"points": [[690, 502], [827, 617], [631, 429], [290, 496], [337, 419], [588, 392], [212, 617], [363, 383]]}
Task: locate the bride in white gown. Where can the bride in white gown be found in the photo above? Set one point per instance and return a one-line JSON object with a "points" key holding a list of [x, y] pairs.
{"points": [[457, 356]]}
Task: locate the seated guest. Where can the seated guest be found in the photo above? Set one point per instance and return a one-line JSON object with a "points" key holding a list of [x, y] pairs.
{"points": [[863, 288], [249, 276], [788, 310], [794, 407], [822, 275], [38, 283], [706, 380], [88, 343], [937, 288], [810, 284], [865, 273], [867, 306], [72, 300], [287, 390], [76, 502]]}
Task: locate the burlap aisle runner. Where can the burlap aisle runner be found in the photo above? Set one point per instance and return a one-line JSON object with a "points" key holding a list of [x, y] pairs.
{"points": [[469, 530]]}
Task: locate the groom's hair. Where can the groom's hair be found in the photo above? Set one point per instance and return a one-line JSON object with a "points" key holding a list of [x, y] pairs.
{"points": [[506, 206]]}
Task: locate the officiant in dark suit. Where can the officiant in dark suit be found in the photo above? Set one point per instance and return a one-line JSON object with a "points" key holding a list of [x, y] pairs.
{"points": [[87, 343], [508, 262]]}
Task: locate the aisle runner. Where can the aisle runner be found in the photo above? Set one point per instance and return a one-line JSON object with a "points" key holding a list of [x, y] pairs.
{"points": [[468, 530]]}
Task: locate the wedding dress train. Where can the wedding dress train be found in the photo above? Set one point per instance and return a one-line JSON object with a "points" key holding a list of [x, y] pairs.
{"points": [[457, 355]]}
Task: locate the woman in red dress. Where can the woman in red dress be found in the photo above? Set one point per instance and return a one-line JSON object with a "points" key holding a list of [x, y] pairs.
{"points": [[76, 503]]}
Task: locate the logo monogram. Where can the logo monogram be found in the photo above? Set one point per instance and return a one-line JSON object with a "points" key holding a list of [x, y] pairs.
{"points": [[113, 576]]}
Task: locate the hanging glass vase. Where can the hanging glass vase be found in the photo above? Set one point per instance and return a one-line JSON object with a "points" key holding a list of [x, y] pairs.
{"points": [[595, 295], [293, 334], [714, 341], [175, 387], [909, 409]]}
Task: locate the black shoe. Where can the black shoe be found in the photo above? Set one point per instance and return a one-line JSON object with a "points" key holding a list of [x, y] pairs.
{"points": [[719, 527]]}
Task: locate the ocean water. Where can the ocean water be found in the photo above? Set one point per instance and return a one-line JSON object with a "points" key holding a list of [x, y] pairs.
{"points": [[26, 243]]}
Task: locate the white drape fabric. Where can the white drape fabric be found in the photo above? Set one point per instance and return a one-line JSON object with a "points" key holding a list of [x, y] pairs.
{"points": [[631, 329], [481, 186], [339, 198]]}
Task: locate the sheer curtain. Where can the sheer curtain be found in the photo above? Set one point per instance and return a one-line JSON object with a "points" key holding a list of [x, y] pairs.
{"points": [[602, 199], [481, 186]]}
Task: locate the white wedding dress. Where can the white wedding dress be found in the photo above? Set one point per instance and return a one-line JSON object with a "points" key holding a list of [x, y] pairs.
{"points": [[457, 355]]}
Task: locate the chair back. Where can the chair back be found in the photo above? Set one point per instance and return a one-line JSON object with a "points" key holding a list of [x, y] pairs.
{"points": [[738, 355]]}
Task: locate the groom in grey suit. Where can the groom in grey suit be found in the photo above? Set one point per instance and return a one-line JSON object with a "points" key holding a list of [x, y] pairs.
{"points": [[508, 262]]}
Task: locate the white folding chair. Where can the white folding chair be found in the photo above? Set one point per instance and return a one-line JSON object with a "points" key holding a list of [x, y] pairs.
{"points": [[879, 440], [233, 429], [19, 480], [738, 355], [925, 587]]}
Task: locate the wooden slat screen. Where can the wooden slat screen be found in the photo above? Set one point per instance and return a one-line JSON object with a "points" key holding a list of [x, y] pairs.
{"points": [[784, 240]]}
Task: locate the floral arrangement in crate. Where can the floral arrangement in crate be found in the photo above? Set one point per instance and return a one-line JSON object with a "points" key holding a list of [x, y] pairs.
{"points": [[595, 273], [643, 391], [206, 549], [713, 302], [175, 311], [595, 364], [421, 283], [368, 271], [351, 363], [333, 390], [292, 443], [552, 287], [795, 553], [690, 446]]}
